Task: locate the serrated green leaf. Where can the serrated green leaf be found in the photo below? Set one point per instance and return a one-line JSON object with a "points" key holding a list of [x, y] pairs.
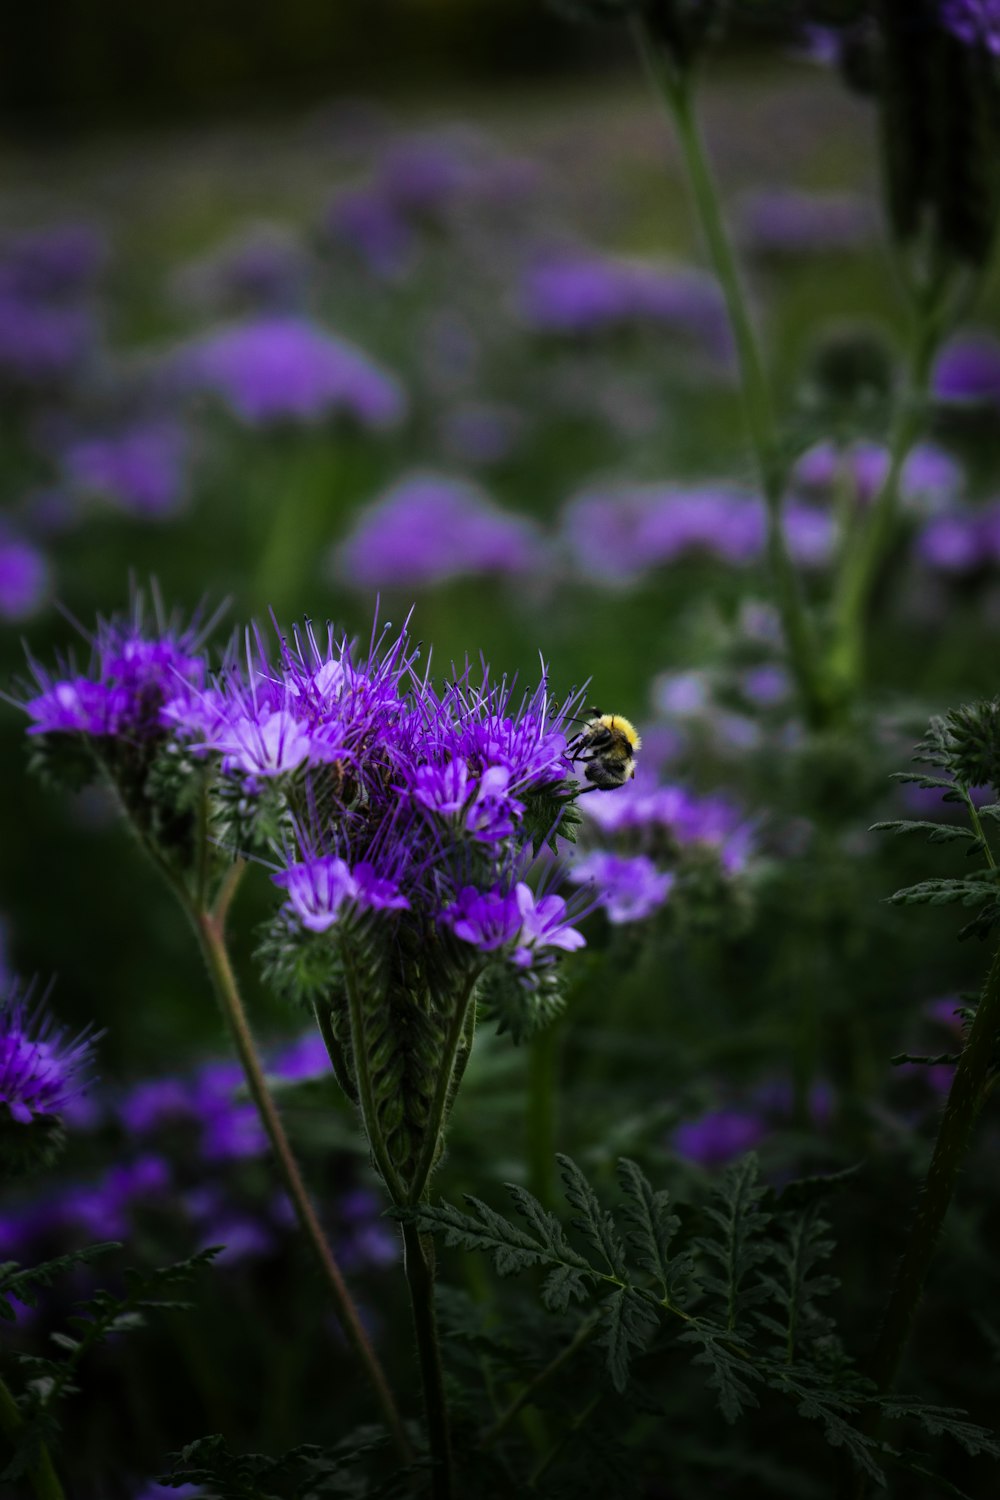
{"points": [[937, 833], [629, 1323], [594, 1221], [653, 1223], [946, 893]]}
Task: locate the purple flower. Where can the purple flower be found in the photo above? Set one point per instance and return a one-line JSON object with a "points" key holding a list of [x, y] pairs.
{"points": [[953, 544], [132, 675], [714, 822], [427, 529], [766, 685], [285, 369], [931, 478], [142, 469], [780, 221], [968, 370], [518, 921], [41, 1070], [319, 889], [480, 432], [617, 535], [369, 223], [483, 806], [24, 579], [580, 293], [719, 1137], [304, 1058], [976, 22], [629, 888]]}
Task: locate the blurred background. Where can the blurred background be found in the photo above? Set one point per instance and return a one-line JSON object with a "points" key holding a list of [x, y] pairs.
{"points": [[303, 307]]}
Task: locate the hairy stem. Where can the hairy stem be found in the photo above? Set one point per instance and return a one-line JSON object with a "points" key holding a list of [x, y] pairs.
{"points": [[968, 1091], [365, 1088], [335, 1052], [41, 1473], [419, 1265], [211, 937], [675, 90]]}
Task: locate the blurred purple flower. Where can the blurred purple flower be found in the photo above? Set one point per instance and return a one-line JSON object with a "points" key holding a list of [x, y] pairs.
{"points": [[968, 369], [581, 293], [278, 369], [24, 579], [719, 1137], [427, 529], [976, 22], [629, 888], [931, 478], [366, 220], [782, 221], [142, 468], [766, 685]]}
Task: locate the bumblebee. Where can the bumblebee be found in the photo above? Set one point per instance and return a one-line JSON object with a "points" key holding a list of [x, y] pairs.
{"points": [[606, 748]]}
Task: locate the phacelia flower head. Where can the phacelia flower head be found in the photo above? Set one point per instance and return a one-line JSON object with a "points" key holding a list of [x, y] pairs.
{"points": [[142, 468], [42, 1071], [279, 369], [629, 887], [136, 667]]}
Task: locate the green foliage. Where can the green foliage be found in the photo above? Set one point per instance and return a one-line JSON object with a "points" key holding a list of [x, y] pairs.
{"points": [[517, 1010], [22, 1282], [51, 1378], [305, 1472], [742, 1282]]}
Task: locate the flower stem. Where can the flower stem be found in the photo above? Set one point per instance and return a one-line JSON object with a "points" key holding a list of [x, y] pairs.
{"points": [[674, 88], [863, 559], [419, 1266], [211, 936], [41, 1473], [968, 1091]]}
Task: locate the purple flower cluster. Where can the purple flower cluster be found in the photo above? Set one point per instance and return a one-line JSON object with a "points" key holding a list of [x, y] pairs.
{"points": [[616, 535], [263, 269], [976, 22], [402, 804], [278, 369], [930, 481], [200, 1188], [427, 529], [583, 294], [652, 824], [41, 1071], [134, 673]]}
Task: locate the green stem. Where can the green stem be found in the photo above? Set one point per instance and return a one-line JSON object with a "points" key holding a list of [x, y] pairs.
{"points": [[521, 1400], [211, 937], [41, 1473], [452, 1067], [419, 1267], [968, 1090], [540, 1115], [862, 561], [674, 88]]}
